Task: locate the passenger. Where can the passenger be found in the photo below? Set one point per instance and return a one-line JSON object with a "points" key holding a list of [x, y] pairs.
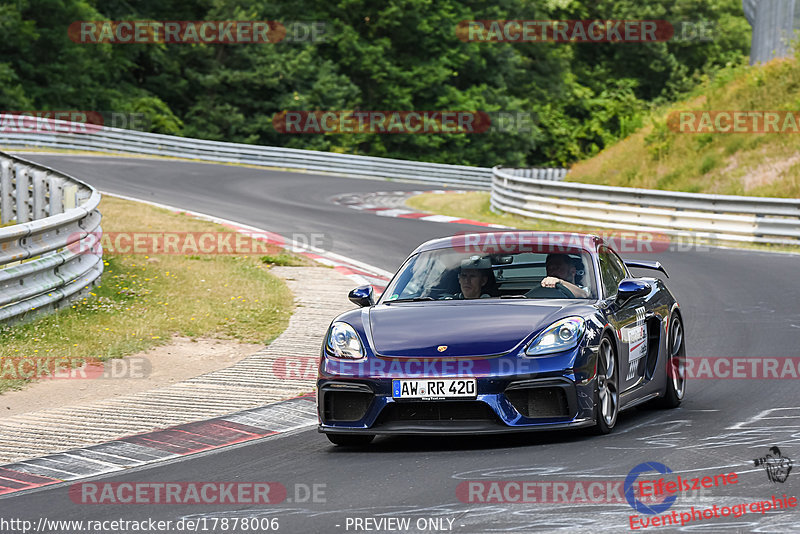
{"points": [[560, 268]]}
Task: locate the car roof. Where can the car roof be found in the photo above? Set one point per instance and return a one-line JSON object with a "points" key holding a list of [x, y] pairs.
{"points": [[497, 240]]}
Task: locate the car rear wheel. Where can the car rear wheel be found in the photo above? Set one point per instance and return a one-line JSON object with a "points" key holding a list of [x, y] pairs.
{"points": [[607, 388], [676, 366], [351, 440]]}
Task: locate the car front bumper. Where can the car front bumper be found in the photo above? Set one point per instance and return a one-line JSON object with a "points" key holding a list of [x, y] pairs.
{"points": [[554, 395]]}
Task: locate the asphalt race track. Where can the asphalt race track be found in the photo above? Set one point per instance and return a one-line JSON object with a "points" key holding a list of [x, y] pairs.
{"points": [[735, 304]]}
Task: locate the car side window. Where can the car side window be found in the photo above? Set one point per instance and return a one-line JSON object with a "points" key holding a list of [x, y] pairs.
{"points": [[612, 272], [620, 266]]}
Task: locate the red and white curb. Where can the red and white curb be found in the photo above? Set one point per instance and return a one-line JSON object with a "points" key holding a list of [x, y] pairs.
{"points": [[392, 204], [159, 445]]}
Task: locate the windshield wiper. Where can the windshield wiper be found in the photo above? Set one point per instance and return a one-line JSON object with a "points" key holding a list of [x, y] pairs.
{"points": [[413, 299], [513, 297]]}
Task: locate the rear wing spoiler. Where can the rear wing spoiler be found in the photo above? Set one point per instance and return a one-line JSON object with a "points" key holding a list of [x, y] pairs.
{"points": [[646, 264]]}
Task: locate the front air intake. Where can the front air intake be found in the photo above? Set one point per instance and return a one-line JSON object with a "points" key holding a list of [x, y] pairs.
{"points": [[539, 402], [437, 411], [345, 405]]}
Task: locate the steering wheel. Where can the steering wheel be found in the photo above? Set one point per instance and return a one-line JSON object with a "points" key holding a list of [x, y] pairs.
{"points": [[567, 293], [440, 294], [560, 291]]}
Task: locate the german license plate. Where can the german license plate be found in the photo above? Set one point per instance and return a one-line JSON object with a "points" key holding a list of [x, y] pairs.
{"points": [[434, 388]]}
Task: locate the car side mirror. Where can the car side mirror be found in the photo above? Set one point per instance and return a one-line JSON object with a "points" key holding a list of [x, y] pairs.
{"points": [[362, 296], [632, 288]]}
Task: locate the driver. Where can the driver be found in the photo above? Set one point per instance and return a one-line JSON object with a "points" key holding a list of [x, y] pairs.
{"points": [[473, 277], [560, 268]]}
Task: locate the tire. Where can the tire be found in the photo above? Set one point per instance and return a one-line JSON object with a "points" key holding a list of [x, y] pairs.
{"points": [[676, 366], [350, 440], [606, 393]]}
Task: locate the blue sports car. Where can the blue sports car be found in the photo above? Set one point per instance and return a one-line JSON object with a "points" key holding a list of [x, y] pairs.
{"points": [[506, 331]]}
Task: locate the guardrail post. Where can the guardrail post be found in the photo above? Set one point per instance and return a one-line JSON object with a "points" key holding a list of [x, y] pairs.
{"points": [[40, 186], [6, 193], [23, 189], [70, 197], [56, 195]]}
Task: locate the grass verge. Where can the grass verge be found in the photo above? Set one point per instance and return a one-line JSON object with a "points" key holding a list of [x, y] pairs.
{"points": [[143, 300], [662, 155], [475, 205]]}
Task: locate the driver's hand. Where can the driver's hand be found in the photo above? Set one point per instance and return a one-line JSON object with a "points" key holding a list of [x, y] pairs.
{"points": [[550, 281]]}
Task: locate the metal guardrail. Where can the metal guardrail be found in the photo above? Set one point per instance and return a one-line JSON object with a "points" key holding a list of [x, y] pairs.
{"points": [[713, 217], [74, 136], [133, 142], [51, 216]]}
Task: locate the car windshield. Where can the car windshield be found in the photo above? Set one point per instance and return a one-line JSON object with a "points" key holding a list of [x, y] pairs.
{"points": [[450, 274]]}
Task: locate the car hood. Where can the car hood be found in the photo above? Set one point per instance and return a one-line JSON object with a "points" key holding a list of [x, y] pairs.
{"points": [[467, 329]]}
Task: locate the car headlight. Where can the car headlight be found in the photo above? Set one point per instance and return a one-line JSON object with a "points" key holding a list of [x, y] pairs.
{"points": [[343, 342], [561, 335]]}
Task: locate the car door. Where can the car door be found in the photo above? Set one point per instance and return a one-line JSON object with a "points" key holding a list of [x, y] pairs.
{"points": [[627, 318]]}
